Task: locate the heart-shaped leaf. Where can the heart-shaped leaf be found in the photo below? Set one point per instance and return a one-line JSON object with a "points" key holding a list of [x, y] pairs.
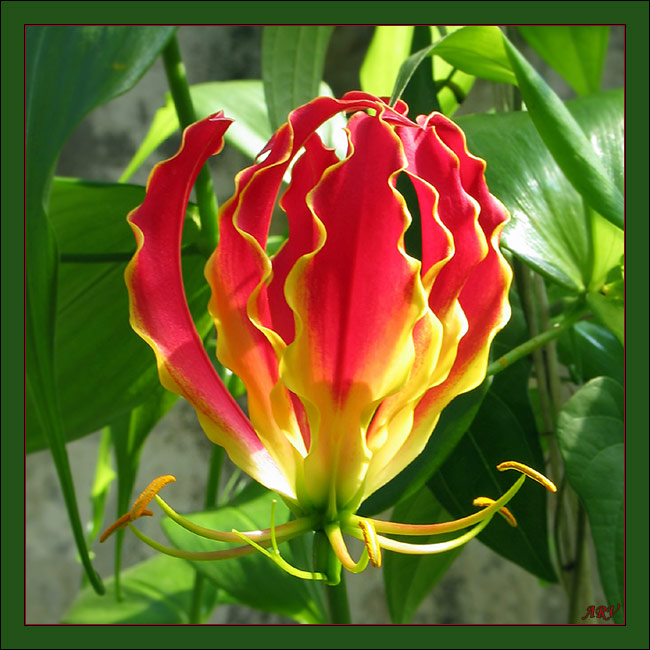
{"points": [[590, 437]]}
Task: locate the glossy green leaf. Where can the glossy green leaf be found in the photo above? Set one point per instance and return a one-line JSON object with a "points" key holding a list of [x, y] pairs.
{"points": [[242, 100], [504, 429], [549, 229], [589, 350], [69, 71], [590, 437], [568, 144], [293, 58], [103, 369], [158, 590], [453, 84], [609, 309], [479, 51], [577, 52], [254, 580], [409, 579], [389, 47]]}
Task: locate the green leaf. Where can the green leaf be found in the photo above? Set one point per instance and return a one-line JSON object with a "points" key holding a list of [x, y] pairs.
{"points": [[589, 350], [104, 477], [453, 84], [504, 429], [590, 437], [566, 141], [254, 580], [157, 590], [242, 100], [410, 578], [577, 52], [549, 229], [479, 51], [104, 369], [69, 71], [610, 311], [293, 58], [390, 45]]}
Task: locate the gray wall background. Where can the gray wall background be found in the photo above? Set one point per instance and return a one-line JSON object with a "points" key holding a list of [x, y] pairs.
{"points": [[479, 588]]}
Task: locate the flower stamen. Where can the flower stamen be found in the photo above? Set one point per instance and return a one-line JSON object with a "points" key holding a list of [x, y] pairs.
{"points": [[150, 492], [139, 506], [483, 502], [371, 542], [528, 471], [275, 555]]}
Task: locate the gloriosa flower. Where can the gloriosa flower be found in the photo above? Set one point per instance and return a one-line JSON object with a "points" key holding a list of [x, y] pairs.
{"points": [[348, 346]]}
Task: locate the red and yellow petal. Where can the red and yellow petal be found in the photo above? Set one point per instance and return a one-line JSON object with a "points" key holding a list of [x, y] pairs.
{"points": [[469, 293], [356, 300], [159, 311]]}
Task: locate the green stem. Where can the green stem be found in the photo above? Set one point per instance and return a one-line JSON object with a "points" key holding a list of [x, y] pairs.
{"points": [[533, 344], [210, 501], [525, 291], [337, 602], [325, 561], [180, 90], [552, 363], [581, 590]]}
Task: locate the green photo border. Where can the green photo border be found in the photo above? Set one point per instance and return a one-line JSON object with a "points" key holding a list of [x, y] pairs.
{"points": [[632, 635]]}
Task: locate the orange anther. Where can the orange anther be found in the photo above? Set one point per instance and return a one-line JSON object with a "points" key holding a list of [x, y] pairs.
{"points": [[528, 471], [149, 493], [483, 502], [371, 541]]}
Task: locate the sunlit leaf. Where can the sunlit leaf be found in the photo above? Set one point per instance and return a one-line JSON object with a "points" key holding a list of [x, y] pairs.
{"points": [[479, 51], [577, 52], [390, 45], [549, 228], [568, 144], [241, 100]]}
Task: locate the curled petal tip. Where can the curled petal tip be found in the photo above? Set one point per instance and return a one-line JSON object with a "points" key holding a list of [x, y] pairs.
{"points": [[528, 471]]}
